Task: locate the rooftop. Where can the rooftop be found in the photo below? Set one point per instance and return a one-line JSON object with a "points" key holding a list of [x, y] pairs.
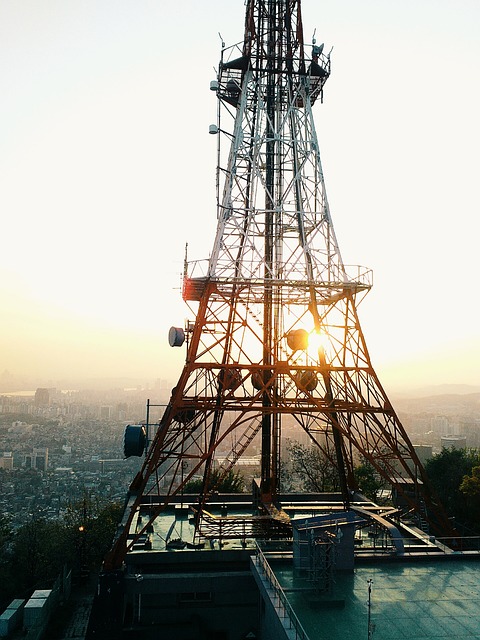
{"points": [[429, 599]]}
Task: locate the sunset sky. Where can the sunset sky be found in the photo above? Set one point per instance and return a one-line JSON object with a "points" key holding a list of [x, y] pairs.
{"points": [[107, 170]]}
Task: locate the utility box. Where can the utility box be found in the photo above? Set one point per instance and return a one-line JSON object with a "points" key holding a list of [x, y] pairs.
{"points": [[11, 618], [327, 539]]}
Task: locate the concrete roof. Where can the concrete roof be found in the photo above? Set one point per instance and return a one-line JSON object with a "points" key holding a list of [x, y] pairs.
{"points": [[431, 599]]}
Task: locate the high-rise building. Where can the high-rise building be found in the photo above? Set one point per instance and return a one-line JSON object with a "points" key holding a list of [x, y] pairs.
{"points": [[105, 413], [42, 397], [40, 458], [6, 460]]}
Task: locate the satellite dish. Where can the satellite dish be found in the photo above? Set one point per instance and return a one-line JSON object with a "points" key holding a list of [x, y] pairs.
{"points": [[176, 337], [317, 50], [134, 440]]}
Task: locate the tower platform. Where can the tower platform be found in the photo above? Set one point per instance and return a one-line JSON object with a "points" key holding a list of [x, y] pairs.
{"points": [[230, 583]]}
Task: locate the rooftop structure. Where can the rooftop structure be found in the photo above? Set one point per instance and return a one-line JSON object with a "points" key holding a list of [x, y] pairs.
{"points": [[454, 442], [309, 586]]}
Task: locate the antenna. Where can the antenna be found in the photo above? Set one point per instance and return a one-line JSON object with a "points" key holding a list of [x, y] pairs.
{"points": [[275, 280]]}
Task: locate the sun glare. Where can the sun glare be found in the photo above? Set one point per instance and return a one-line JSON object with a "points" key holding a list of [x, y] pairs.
{"points": [[317, 340]]}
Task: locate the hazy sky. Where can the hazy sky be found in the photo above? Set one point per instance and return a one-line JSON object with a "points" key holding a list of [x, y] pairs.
{"points": [[107, 170]]}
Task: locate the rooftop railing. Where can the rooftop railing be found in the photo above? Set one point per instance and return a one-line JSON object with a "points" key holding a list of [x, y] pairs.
{"points": [[283, 605]]}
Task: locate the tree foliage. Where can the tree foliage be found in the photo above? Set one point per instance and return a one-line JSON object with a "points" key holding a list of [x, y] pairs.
{"points": [[35, 554], [471, 483], [368, 480], [470, 489], [38, 552], [5, 531], [90, 526], [313, 470], [451, 473], [233, 482]]}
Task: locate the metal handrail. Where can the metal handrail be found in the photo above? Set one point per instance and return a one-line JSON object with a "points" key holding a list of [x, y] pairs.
{"points": [[300, 633], [354, 274], [415, 546]]}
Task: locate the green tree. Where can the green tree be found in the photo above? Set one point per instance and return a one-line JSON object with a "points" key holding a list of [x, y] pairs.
{"points": [[103, 529], [446, 472], [471, 483], [233, 482], [470, 488], [5, 561], [5, 532], [90, 526], [312, 467], [41, 548], [38, 554], [368, 480]]}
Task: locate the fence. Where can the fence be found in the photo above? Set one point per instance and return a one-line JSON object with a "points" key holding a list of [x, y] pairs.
{"points": [[279, 594]]}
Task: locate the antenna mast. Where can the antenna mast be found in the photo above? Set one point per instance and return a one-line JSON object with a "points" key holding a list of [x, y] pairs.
{"points": [[276, 336]]}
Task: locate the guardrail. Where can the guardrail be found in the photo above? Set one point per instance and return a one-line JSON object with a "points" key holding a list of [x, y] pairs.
{"points": [[379, 545], [352, 275], [294, 622]]}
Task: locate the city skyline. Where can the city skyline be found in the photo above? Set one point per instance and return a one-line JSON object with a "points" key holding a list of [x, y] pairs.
{"points": [[108, 171]]}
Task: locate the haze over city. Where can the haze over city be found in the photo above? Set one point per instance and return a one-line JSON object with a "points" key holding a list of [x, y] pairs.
{"points": [[108, 170]]}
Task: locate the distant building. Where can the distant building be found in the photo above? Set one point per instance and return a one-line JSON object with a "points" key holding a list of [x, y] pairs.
{"points": [[20, 427], [424, 452], [441, 425], [121, 411], [6, 460], [105, 413], [453, 442], [110, 465], [42, 397], [470, 428], [247, 467], [40, 458]]}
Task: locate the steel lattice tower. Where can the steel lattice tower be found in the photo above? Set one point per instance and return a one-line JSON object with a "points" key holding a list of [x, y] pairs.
{"points": [[276, 329]]}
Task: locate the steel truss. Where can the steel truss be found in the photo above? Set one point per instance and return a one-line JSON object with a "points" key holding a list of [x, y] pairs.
{"points": [[276, 329]]}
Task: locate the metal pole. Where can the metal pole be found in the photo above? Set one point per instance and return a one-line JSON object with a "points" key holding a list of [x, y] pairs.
{"points": [[369, 609], [148, 430]]}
